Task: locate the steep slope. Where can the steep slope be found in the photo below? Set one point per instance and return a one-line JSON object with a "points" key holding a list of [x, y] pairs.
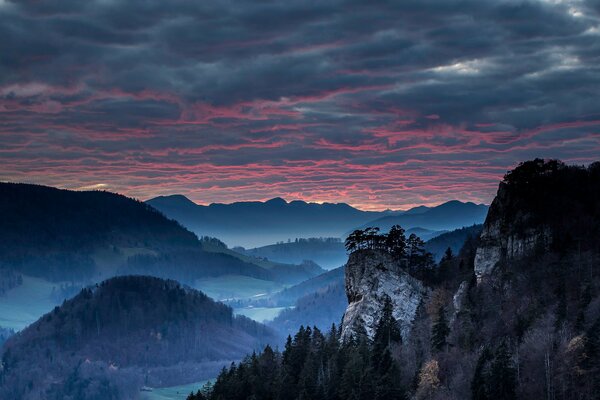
{"points": [[453, 240], [541, 206], [447, 216], [252, 224], [123, 333]]}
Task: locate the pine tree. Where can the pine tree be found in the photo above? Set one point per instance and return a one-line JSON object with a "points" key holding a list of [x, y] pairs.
{"points": [[386, 331], [586, 298], [387, 373], [395, 241], [479, 382], [502, 381], [448, 255], [440, 331]]}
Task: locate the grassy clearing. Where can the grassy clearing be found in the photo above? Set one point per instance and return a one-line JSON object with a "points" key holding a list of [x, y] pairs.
{"points": [[264, 263], [173, 392], [260, 314], [228, 287], [24, 304]]}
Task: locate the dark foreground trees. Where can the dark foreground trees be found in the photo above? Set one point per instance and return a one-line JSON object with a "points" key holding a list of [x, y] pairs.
{"points": [[316, 366]]}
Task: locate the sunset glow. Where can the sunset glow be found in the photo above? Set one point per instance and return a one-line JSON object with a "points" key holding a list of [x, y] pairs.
{"points": [[227, 102]]}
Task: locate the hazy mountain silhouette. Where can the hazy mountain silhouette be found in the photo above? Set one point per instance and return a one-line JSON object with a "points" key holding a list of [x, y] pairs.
{"points": [[445, 217], [256, 224]]}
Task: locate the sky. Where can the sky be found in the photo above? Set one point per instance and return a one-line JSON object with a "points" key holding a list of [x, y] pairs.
{"points": [[377, 104]]}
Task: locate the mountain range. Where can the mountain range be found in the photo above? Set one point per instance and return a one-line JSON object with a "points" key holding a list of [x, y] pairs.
{"points": [[445, 217], [257, 224]]}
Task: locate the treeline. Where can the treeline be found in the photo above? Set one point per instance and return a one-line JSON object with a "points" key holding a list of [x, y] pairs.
{"points": [[409, 252], [563, 198], [313, 240], [317, 366]]}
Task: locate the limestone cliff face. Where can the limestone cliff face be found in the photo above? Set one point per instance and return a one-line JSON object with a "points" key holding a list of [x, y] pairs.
{"points": [[507, 235], [370, 275]]}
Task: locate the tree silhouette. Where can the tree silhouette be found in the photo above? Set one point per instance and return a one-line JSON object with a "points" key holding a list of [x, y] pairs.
{"points": [[440, 331]]}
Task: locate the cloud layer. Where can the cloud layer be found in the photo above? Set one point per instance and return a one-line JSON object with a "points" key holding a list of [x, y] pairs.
{"points": [[386, 104]]}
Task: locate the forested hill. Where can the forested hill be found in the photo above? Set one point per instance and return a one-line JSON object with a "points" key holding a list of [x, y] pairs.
{"points": [[51, 219], [121, 334], [454, 240], [70, 235]]}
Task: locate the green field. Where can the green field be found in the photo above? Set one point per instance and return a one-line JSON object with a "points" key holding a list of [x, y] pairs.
{"points": [[236, 287], [173, 392], [261, 262], [260, 314], [24, 304]]}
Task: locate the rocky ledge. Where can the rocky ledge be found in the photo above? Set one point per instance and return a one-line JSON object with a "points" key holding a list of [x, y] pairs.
{"points": [[370, 276]]}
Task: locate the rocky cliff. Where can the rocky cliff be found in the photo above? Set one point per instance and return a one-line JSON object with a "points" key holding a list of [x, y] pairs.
{"points": [[370, 275], [508, 235]]}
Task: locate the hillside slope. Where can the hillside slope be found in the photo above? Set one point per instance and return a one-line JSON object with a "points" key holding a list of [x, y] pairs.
{"points": [[125, 332], [63, 235], [453, 240]]}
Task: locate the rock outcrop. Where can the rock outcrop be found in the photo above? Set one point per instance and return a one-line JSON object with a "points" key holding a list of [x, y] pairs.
{"points": [[370, 276], [507, 235]]}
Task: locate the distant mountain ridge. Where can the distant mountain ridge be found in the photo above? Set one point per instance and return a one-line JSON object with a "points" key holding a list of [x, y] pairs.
{"points": [[257, 224], [448, 216]]}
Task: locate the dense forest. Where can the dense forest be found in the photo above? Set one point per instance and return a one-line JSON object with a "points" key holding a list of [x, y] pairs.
{"points": [[122, 333]]}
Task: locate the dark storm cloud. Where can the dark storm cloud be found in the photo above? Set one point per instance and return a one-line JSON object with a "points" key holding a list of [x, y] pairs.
{"points": [[378, 104]]}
